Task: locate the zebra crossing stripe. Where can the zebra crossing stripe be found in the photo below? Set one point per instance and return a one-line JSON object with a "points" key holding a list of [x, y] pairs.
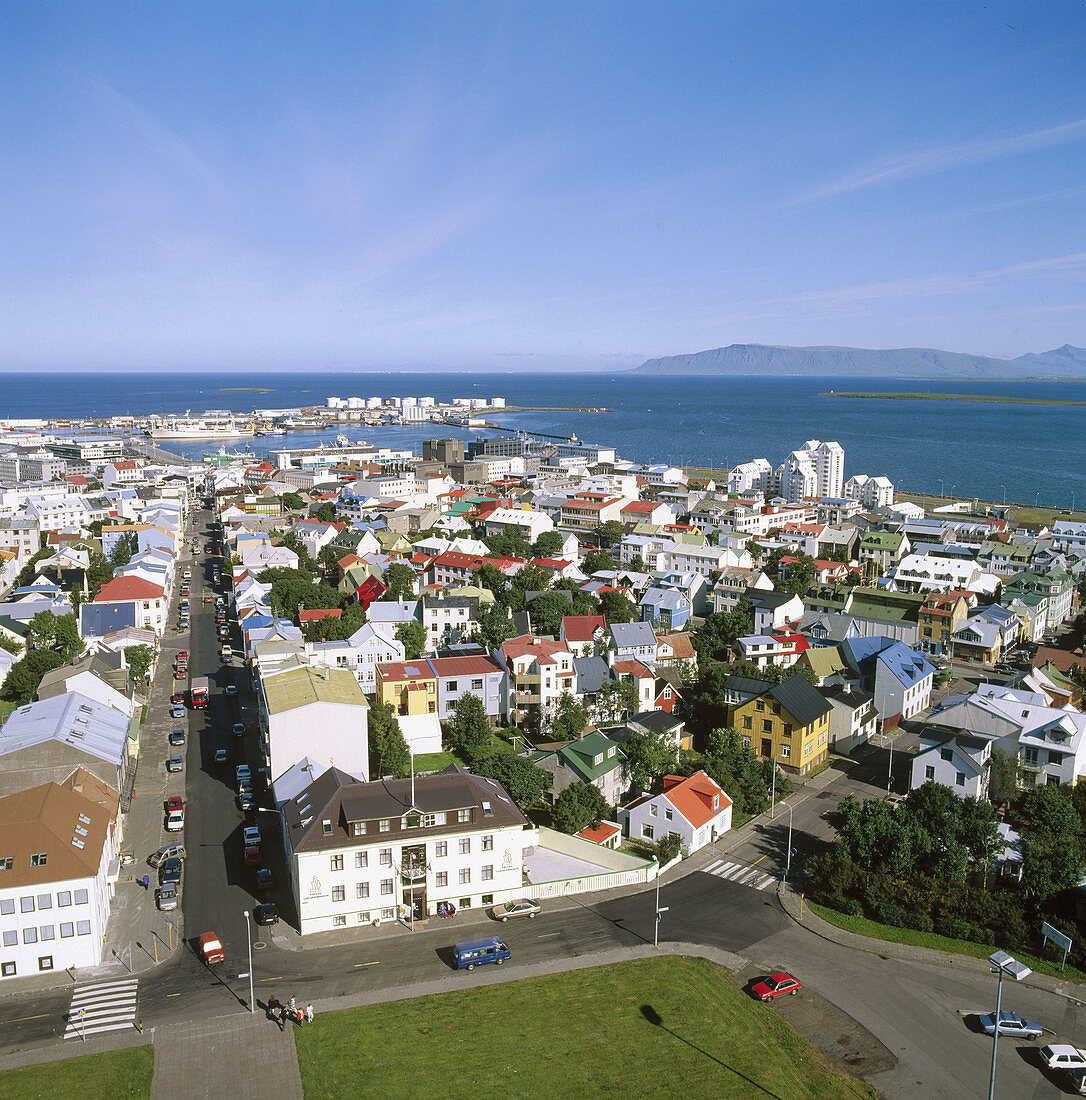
{"points": [[106, 1006], [741, 874]]}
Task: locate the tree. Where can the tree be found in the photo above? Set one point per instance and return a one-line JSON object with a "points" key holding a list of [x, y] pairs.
{"points": [[493, 625], [547, 612], [570, 717], [801, 575], [528, 578], [668, 847], [526, 783], [548, 544], [305, 560], [648, 758], [59, 632], [326, 513], [731, 763], [124, 548], [493, 579], [294, 588], [293, 502], [468, 734], [389, 754], [327, 556], [139, 659], [607, 534], [24, 676], [597, 563], [755, 550], [615, 608], [579, 806], [616, 697], [413, 636], [99, 572], [715, 637], [400, 580], [1003, 776], [509, 544]]}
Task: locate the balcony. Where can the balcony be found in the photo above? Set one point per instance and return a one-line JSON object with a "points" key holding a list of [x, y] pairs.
{"points": [[526, 698]]}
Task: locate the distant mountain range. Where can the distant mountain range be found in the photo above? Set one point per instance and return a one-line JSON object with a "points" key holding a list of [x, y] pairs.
{"points": [[768, 359]]}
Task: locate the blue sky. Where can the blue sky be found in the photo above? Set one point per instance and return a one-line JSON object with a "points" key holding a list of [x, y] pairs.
{"points": [[569, 186]]}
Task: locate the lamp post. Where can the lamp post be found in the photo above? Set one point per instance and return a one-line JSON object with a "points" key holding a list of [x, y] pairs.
{"points": [[249, 941], [788, 858], [659, 912], [890, 766], [940, 486], [1001, 964]]}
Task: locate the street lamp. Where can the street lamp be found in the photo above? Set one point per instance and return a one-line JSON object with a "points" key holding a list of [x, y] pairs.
{"points": [[940, 486], [890, 766], [788, 858], [659, 912], [1001, 964], [249, 941]]}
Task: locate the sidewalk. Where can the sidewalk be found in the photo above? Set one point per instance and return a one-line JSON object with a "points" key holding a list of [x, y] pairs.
{"points": [[792, 903]]}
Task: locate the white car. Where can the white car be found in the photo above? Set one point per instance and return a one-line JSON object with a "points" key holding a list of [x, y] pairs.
{"points": [[1062, 1056], [519, 907]]}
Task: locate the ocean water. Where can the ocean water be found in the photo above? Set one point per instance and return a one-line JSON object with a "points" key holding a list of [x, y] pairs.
{"points": [[1025, 453]]}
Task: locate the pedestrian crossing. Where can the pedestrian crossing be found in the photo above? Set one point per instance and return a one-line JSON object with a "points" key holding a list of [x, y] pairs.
{"points": [[104, 1006], [741, 873]]}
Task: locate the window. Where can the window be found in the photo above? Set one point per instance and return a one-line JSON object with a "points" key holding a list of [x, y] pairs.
{"points": [[81, 897], [339, 893], [326, 828], [647, 832], [946, 753], [336, 863], [82, 927], [441, 849], [388, 914], [386, 857], [487, 899], [959, 779], [30, 935], [488, 843], [653, 809], [488, 872], [442, 878], [47, 932], [26, 905], [767, 724], [748, 722], [786, 751], [362, 890], [463, 816], [451, 687], [929, 772], [339, 920], [64, 897], [385, 825], [6, 863], [386, 886], [464, 903], [465, 845], [67, 929], [45, 901], [361, 859], [45, 962], [7, 970], [669, 814], [477, 685], [465, 875], [11, 939], [759, 706], [7, 907], [358, 828], [38, 859], [364, 918]]}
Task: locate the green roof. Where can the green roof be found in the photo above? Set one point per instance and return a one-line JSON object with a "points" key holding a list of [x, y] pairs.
{"points": [[888, 540], [580, 755], [825, 660], [301, 686]]}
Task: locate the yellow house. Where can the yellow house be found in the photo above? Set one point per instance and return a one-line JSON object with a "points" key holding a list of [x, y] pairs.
{"points": [[410, 687], [788, 723]]}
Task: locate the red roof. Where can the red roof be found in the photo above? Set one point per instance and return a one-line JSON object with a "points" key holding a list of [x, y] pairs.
{"points": [[634, 668], [693, 797], [319, 613], [463, 666], [128, 588], [601, 835], [641, 507], [582, 628]]}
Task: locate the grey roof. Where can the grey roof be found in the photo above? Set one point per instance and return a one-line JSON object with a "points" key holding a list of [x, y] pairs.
{"points": [[655, 721], [769, 600], [72, 719], [626, 635], [591, 674], [802, 700]]}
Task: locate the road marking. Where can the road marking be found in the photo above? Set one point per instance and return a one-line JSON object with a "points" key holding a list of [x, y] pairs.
{"points": [[20, 1019], [544, 935], [757, 861], [173, 994], [279, 978], [375, 963], [105, 1006]]}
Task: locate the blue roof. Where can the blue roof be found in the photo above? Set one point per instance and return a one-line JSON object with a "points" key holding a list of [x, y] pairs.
{"points": [[96, 620], [859, 652], [905, 663]]}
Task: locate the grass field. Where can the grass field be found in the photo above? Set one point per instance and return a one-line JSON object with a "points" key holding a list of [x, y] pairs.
{"points": [[117, 1074], [864, 927], [650, 1027]]}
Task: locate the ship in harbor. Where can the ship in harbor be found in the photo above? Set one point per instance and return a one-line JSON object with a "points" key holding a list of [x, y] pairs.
{"points": [[212, 425]]}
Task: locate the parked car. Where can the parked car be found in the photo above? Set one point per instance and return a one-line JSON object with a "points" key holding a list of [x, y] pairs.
{"points": [[265, 880], [250, 835], [174, 763], [520, 907], [177, 736], [174, 802], [166, 897], [252, 855], [245, 800], [473, 953], [211, 949], [1062, 1056], [221, 756], [243, 771], [1010, 1023], [231, 689], [167, 851], [177, 710], [239, 729], [170, 870], [182, 655], [177, 697], [266, 913], [777, 985]]}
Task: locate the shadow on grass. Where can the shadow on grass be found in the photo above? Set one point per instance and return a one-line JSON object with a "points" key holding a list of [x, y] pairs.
{"points": [[656, 1020]]}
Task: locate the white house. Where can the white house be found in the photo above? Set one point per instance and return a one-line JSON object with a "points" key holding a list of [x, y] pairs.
{"points": [[695, 807], [370, 645], [961, 763]]}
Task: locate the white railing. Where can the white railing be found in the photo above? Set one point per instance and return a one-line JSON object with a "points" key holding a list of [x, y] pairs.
{"points": [[561, 888]]}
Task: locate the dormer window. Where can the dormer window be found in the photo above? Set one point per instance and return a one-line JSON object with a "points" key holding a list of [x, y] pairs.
{"points": [[326, 828]]}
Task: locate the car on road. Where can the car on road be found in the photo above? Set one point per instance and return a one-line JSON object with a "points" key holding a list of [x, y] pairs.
{"points": [[182, 655], [174, 802], [174, 763], [221, 756], [177, 710], [167, 851], [209, 599], [245, 800], [231, 689], [170, 870], [265, 880], [177, 736], [243, 771], [166, 897], [1010, 1023], [250, 835], [252, 855], [1062, 1056], [227, 654], [177, 697], [776, 985], [266, 913], [239, 729], [211, 949], [518, 907]]}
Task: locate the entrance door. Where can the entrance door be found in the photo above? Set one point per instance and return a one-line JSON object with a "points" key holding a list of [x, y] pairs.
{"points": [[767, 747], [415, 900]]}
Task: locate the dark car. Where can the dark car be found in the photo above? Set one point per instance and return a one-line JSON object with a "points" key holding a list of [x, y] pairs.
{"points": [[170, 870], [231, 689], [777, 985], [177, 737], [265, 880], [266, 913]]}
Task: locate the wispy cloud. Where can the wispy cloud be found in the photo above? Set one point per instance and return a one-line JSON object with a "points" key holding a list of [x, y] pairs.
{"points": [[927, 161]]}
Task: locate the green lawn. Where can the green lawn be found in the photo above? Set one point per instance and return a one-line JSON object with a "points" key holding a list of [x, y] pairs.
{"points": [[116, 1074], [864, 927], [433, 761], [651, 1027]]}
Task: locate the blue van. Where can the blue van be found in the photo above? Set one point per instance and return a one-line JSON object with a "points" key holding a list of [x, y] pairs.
{"points": [[475, 953]]}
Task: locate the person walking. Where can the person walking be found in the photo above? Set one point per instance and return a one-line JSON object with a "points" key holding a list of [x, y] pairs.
{"points": [[309, 1012], [293, 1006]]}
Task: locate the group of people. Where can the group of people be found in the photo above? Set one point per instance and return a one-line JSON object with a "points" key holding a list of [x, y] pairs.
{"points": [[446, 909], [281, 1012]]}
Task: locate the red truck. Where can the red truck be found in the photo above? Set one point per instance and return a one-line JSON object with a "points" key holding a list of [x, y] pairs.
{"points": [[211, 949], [198, 691]]}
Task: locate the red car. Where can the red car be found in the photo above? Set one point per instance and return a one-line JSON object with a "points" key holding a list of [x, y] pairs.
{"points": [[182, 655], [776, 985], [177, 697], [252, 855], [175, 802]]}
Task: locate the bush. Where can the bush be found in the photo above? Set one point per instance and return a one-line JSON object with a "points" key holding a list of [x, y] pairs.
{"points": [[852, 908], [919, 921]]}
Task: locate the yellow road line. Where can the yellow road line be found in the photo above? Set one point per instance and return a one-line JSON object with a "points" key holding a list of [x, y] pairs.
{"points": [[20, 1019], [376, 963], [544, 935], [758, 860], [279, 978], [173, 994]]}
